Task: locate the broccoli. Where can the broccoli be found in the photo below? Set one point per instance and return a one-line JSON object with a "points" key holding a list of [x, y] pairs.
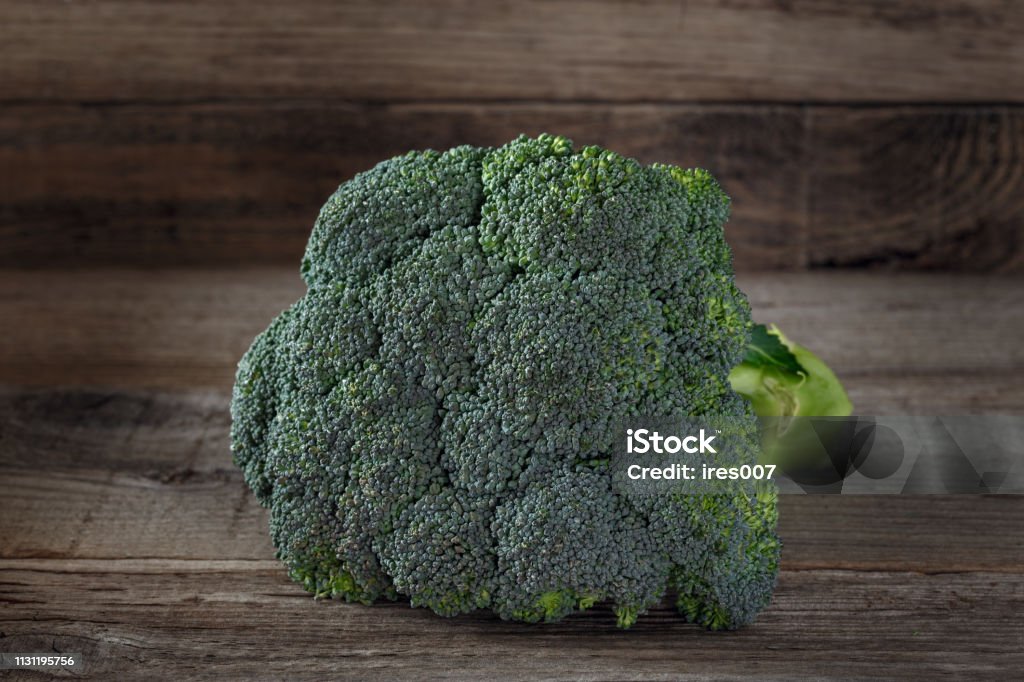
{"points": [[433, 419], [782, 379]]}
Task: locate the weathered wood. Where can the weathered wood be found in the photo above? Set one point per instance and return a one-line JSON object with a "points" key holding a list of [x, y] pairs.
{"points": [[180, 513], [916, 188], [241, 183], [129, 475], [110, 514], [188, 328], [898, 323], [154, 328], [170, 134], [127, 535], [817, 50], [204, 619]]}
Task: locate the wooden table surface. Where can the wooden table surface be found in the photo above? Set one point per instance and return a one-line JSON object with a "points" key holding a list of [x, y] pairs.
{"points": [[127, 535]]}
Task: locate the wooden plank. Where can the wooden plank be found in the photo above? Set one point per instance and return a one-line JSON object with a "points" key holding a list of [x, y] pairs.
{"points": [[903, 344], [180, 513], [917, 188], [810, 50], [904, 391], [236, 184], [170, 328], [897, 324], [231, 184], [123, 475], [214, 620], [110, 514]]}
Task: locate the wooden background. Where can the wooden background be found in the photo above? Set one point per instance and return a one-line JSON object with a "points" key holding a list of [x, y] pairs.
{"points": [[161, 165], [873, 133]]}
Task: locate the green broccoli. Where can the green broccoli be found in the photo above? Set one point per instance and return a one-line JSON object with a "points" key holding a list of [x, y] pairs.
{"points": [[433, 419], [782, 379]]}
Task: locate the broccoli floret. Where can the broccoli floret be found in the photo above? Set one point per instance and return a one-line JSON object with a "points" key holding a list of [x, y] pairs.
{"points": [[434, 418]]}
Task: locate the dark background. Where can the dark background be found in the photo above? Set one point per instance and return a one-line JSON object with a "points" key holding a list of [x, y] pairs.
{"points": [[850, 134], [161, 165]]}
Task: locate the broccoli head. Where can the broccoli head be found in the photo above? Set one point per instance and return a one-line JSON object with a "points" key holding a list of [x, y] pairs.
{"points": [[433, 419]]}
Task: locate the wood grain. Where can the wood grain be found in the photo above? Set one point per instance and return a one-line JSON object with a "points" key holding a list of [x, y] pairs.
{"points": [[128, 536], [241, 183], [230, 184], [401, 50], [134, 620], [171, 328], [121, 474], [149, 136], [890, 337], [914, 188], [106, 511]]}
